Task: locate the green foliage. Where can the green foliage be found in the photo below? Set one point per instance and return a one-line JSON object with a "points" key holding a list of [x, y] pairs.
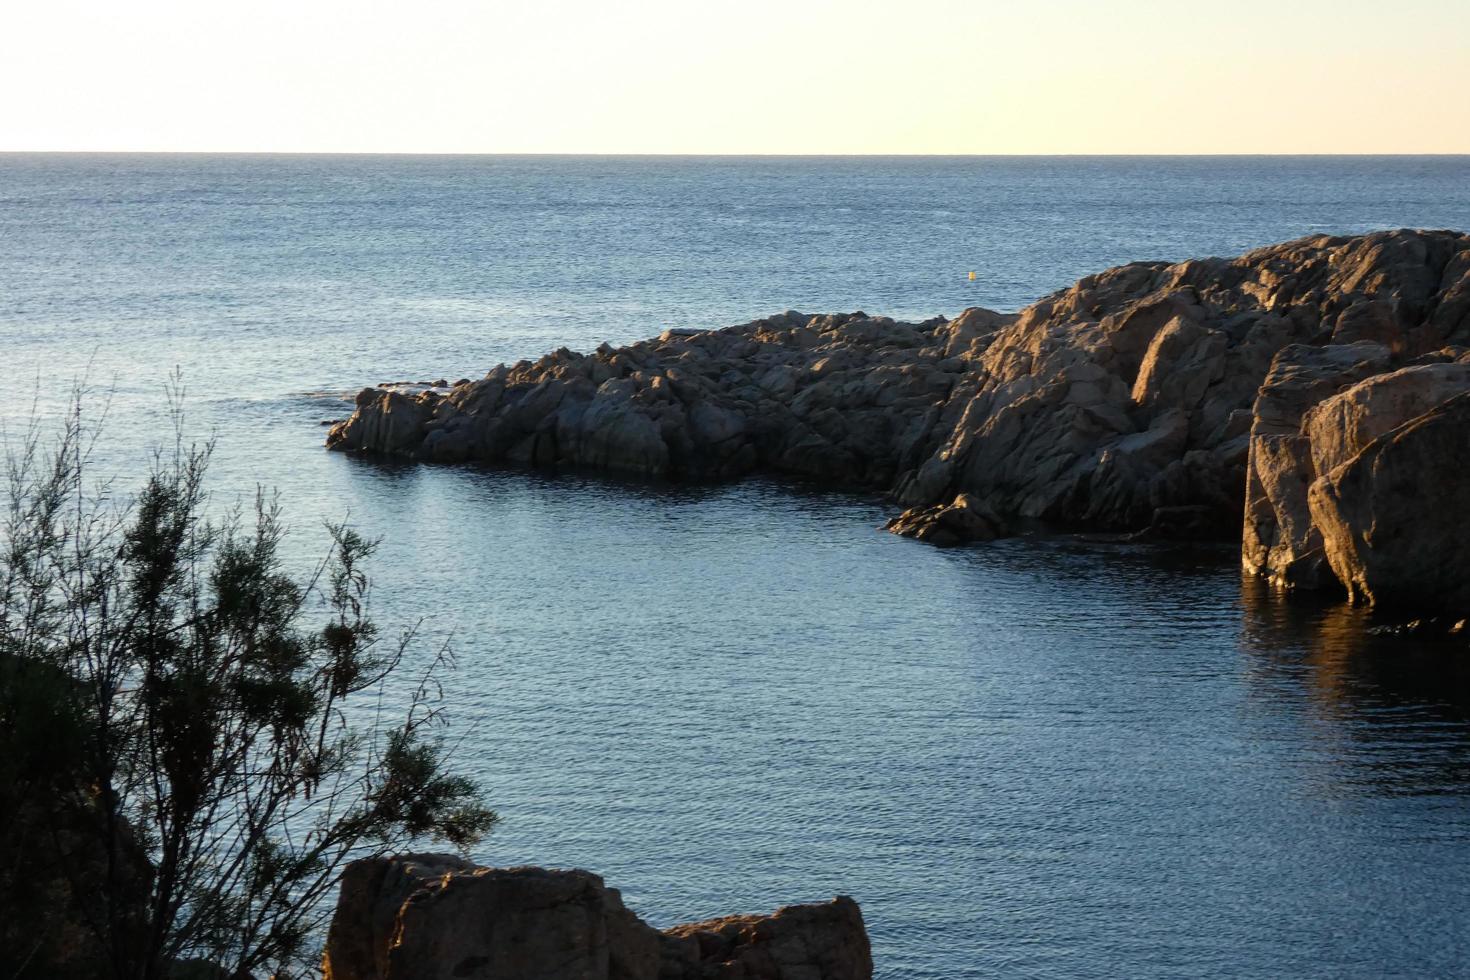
{"points": [[185, 762]]}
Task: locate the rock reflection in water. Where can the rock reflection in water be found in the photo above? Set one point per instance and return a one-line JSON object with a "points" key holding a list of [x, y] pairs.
{"points": [[1396, 706]]}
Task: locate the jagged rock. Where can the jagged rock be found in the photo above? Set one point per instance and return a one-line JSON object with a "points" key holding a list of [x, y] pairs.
{"points": [[799, 942], [1137, 395], [1342, 426], [1052, 430], [1318, 408], [962, 520], [1279, 540], [968, 334], [1392, 517], [389, 420], [424, 917], [835, 396]]}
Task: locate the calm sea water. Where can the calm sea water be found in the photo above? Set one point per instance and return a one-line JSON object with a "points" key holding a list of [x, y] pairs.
{"points": [[1045, 758]]}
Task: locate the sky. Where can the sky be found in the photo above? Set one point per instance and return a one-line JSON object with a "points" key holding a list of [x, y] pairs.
{"points": [[736, 76]]}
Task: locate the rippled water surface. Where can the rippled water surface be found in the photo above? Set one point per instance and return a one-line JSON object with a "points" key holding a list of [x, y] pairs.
{"points": [[1046, 757]]}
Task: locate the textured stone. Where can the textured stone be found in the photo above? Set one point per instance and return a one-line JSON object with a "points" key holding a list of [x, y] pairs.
{"points": [[962, 520], [1152, 395], [1279, 540], [1343, 425], [1392, 517], [426, 917]]}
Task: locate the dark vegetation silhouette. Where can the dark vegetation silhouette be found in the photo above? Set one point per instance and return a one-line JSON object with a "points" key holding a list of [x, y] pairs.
{"points": [[192, 741]]}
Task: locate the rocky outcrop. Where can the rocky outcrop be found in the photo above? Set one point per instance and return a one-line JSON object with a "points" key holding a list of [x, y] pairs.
{"points": [[848, 398], [1151, 396], [1319, 410], [964, 519], [1344, 425], [423, 917], [1392, 515], [799, 942], [1279, 540]]}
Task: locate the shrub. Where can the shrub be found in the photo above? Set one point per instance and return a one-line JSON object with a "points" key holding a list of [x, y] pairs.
{"points": [[185, 763]]}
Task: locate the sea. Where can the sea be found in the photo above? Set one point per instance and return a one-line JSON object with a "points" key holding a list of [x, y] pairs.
{"points": [[1046, 757]]}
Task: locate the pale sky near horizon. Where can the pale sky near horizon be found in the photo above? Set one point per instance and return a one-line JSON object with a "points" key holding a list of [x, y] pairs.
{"points": [[754, 76]]}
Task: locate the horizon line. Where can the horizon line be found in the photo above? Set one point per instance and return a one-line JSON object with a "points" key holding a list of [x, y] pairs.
{"points": [[721, 155]]}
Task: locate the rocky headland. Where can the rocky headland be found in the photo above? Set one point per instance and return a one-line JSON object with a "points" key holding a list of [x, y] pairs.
{"points": [[435, 915], [1311, 398]]}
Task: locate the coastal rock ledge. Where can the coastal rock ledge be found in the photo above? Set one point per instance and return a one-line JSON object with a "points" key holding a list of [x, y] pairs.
{"points": [[433, 916], [1158, 397]]}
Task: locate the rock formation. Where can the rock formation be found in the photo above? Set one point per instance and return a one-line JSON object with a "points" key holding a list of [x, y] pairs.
{"points": [[424, 917], [964, 519], [1167, 397], [1392, 516], [1319, 413], [1279, 540]]}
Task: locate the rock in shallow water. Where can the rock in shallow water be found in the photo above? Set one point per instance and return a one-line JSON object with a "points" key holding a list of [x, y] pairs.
{"points": [[962, 520], [424, 917]]}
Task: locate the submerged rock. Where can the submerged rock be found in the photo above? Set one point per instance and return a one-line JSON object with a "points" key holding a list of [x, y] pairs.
{"points": [[430, 916], [1158, 396]]}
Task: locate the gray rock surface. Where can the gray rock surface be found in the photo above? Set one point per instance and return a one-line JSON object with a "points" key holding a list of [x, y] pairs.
{"points": [[426, 917], [1150, 396]]}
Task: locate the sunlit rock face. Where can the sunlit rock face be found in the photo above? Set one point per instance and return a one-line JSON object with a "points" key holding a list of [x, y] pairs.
{"points": [[439, 916], [1391, 516], [847, 398], [1279, 540], [1121, 403], [964, 519]]}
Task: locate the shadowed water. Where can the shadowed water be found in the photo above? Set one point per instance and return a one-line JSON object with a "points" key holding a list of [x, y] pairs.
{"points": [[1045, 757]]}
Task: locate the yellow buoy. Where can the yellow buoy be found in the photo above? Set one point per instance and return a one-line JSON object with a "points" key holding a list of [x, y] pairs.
{"points": [[972, 277]]}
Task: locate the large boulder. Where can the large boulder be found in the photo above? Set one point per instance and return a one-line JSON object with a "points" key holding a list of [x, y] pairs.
{"points": [[1342, 426], [426, 917], [1279, 540], [62, 870], [799, 942], [387, 421], [1392, 517], [1319, 408]]}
